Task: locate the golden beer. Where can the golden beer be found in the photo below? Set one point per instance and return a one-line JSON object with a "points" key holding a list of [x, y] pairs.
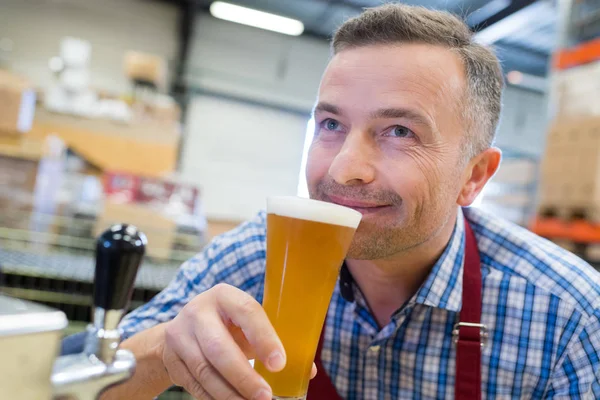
{"points": [[307, 241]]}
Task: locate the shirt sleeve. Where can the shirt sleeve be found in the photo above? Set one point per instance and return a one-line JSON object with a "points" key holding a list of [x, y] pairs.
{"points": [[236, 258], [578, 375]]}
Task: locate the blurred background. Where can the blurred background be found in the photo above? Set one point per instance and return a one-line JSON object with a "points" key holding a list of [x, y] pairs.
{"points": [[182, 116]]}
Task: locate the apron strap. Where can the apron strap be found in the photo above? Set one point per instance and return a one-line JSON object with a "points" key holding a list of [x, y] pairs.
{"points": [[321, 387], [469, 336]]}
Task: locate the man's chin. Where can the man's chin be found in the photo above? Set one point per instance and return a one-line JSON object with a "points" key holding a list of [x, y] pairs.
{"points": [[367, 247], [373, 242], [363, 253]]}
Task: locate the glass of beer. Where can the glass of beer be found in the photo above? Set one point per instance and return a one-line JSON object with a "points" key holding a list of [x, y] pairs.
{"points": [[307, 241]]}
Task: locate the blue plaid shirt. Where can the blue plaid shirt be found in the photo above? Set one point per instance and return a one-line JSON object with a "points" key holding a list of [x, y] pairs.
{"points": [[541, 305]]}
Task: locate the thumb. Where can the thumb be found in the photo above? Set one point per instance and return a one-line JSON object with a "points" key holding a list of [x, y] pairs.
{"points": [[313, 372]]}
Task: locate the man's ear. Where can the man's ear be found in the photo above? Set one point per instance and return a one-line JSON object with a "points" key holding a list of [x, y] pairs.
{"points": [[477, 173]]}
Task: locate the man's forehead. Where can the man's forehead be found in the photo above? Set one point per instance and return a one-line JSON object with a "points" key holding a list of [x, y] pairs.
{"points": [[424, 75], [397, 66]]}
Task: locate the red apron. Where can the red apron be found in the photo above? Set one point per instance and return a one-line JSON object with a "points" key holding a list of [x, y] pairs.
{"points": [[469, 335]]}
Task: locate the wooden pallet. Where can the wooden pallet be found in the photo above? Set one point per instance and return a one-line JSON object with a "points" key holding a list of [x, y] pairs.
{"points": [[575, 229], [571, 213]]}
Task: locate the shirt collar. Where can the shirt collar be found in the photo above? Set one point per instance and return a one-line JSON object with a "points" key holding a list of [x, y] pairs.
{"points": [[443, 286]]}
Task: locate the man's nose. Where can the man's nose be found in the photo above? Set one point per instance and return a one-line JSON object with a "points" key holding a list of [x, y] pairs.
{"points": [[353, 165]]}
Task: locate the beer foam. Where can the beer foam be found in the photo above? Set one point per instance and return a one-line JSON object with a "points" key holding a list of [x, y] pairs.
{"points": [[313, 210]]}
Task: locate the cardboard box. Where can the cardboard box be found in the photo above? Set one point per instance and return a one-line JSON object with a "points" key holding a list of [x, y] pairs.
{"points": [[146, 68], [153, 205], [159, 230], [570, 170], [17, 184], [166, 113], [143, 147], [576, 90], [217, 227], [17, 104], [18, 174]]}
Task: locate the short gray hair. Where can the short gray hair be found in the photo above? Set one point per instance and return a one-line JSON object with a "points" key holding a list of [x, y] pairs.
{"points": [[399, 23]]}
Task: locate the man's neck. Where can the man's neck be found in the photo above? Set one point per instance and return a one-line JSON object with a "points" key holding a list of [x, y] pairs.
{"points": [[388, 283]]}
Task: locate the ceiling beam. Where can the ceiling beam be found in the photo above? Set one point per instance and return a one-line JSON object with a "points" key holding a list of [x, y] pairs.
{"points": [[330, 6], [515, 58], [519, 15], [343, 3], [522, 47], [512, 8], [186, 23]]}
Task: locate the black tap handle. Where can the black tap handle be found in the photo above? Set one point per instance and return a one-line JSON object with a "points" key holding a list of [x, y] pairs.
{"points": [[119, 253]]}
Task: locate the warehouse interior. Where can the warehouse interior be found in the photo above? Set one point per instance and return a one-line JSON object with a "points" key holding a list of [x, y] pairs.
{"points": [[165, 115]]}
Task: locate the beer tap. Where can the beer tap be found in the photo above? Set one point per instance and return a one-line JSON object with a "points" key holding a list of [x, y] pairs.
{"points": [[84, 376]]}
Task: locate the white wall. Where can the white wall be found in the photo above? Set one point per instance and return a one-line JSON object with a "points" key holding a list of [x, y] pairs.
{"points": [[112, 26], [254, 64], [523, 124], [239, 153]]}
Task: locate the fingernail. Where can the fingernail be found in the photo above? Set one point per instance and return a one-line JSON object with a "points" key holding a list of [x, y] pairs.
{"points": [[276, 361], [262, 394]]}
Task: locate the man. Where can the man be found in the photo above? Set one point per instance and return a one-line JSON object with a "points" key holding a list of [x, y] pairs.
{"points": [[405, 120]]}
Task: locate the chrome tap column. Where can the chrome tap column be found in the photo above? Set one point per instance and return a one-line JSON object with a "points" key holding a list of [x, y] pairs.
{"points": [[119, 253]]}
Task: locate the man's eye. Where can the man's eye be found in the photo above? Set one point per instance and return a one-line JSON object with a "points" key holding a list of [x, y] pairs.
{"points": [[400, 132], [330, 124]]}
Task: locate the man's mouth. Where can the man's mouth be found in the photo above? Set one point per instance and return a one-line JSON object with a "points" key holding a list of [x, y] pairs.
{"points": [[364, 207]]}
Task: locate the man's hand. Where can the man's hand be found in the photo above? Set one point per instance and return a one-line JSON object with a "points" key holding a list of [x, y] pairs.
{"points": [[205, 349], [207, 346]]}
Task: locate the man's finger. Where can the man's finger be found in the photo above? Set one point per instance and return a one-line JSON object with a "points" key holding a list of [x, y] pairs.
{"points": [[313, 371], [220, 352], [209, 378], [181, 376], [244, 311], [195, 388]]}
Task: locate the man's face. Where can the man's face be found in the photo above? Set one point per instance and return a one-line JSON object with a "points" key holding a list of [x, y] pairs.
{"points": [[388, 138]]}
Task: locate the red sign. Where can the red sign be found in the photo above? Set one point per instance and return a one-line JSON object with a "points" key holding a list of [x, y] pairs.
{"points": [[163, 195]]}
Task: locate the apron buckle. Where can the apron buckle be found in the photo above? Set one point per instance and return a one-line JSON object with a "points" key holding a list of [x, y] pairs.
{"points": [[483, 331]]}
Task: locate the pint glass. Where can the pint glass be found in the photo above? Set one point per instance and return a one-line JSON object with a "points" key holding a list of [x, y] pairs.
{"points": [[307, 241]]}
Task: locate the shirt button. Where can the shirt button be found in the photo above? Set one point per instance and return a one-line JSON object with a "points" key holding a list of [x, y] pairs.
{"points": [[374, 349]]}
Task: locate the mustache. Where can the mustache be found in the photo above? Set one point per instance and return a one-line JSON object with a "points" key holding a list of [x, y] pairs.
{"points": [[358, 192]]}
